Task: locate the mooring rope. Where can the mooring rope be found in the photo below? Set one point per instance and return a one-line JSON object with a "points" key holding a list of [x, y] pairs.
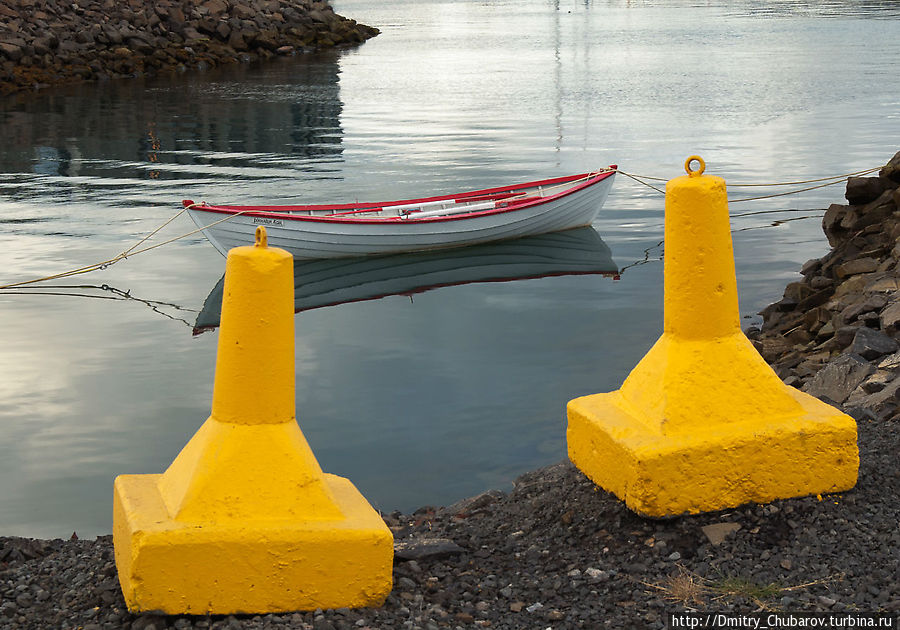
{"points": [[131, 251], [641, 179], [829, 181]]}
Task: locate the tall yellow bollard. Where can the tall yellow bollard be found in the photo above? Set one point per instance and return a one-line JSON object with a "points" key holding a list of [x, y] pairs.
{"points": [[702, 422], [244, 520]]}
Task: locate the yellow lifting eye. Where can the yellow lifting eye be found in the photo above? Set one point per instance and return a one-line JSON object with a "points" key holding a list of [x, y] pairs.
{"points": [[699, 171], [262, 239]]}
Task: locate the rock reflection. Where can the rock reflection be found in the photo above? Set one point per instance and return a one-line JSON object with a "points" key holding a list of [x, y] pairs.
{"points": [[250, 118]]}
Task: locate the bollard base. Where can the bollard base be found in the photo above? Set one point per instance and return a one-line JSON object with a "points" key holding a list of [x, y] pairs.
{"points": [[264, 566], [715, 467]]}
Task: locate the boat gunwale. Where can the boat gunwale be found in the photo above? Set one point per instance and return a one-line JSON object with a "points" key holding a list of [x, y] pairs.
{"points": [[284, 212]]}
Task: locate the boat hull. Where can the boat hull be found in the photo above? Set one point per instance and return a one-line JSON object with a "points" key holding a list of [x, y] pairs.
{"points": [[314, 237]]}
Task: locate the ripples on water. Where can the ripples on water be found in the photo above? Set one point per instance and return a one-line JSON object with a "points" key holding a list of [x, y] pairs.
{"points": [[413, 398]]}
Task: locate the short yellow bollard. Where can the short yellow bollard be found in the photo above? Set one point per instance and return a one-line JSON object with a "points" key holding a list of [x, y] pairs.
{"points": [[702, 422], [244, 520]]}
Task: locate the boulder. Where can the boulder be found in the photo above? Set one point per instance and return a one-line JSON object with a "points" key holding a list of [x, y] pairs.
{"points": [[216, 7], [838, 378], [882, 403], [863, 190], [890, 317], [871, 344], [854, 267], [891, 170], [13, 52]]}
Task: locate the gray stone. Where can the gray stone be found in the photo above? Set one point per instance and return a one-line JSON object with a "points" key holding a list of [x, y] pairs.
{"points": [[811, 266], [832, 220], [145, 622], [890, 316], [844, 335], [891, 362], [840, 376], [871, 344], [420, 548], [879, 401], [853, 284], [877, 381], [821, 282], [854, 267], [883, 284], [475, 504], [716, 533]]}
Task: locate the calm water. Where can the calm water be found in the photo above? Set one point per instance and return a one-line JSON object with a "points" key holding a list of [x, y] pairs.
{"points": [[428, 399]]}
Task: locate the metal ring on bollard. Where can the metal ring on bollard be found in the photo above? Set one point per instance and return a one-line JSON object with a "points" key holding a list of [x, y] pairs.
{"points": [[699, 171], [262, 239]]}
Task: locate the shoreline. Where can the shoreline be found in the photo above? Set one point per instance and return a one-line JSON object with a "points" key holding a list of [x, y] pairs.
{"points": [[558, 552], [44, 43]]}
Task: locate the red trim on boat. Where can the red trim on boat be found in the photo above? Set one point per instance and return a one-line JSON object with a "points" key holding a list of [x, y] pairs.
{"points": [[500, 193]]}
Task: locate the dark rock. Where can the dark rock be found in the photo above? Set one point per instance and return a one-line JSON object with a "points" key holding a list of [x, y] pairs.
{"points": [[815, 299], [863, 190], [236, 41], [810, 267], [871, 344], [425, 548], [243, 12], [145, 621], [891, 170], [267, 39], [12, 52], [838, 378], [772, 348], [890, 317], [864, 305], [475, 504], [877, 381], [853, 267], [796, 291], [141, 45], [853, 284], [882, 403], [215, 7], [821, 282], [860, 414], [831, 222], [844, 335]]}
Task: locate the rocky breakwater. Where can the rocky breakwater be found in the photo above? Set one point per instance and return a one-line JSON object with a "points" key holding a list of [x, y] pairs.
{"points": [[47, 42], [836, 333]]}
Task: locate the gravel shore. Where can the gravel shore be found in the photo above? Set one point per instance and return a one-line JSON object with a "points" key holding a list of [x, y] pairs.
{"points": [[557, 552]]}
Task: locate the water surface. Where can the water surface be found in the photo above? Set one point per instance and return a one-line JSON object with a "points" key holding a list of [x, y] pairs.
{"points": [[430, 398]]}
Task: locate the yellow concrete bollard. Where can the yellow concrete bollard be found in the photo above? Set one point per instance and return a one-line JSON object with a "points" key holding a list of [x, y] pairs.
{"points": [[244, 520], [702, 422]]}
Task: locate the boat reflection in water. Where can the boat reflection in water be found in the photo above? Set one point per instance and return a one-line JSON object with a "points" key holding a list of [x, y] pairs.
{"points": [[329, 282]]}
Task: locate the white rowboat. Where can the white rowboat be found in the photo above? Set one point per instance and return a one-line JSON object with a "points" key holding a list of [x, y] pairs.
{"points": [[366, 229]]}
